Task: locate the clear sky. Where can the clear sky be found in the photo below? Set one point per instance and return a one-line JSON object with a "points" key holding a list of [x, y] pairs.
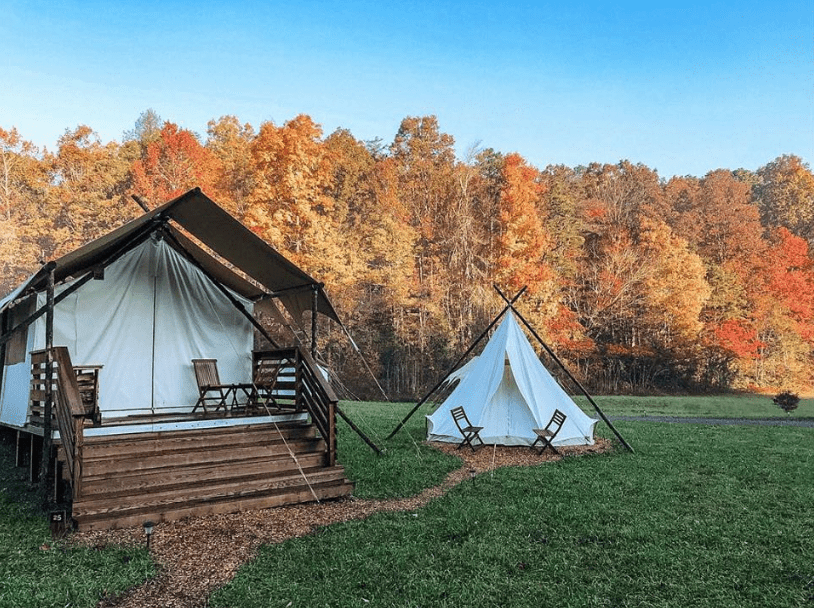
{"points": [[683, 87]]}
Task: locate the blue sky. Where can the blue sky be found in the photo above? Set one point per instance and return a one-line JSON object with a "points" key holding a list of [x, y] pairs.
{"points": [[683, 87]]}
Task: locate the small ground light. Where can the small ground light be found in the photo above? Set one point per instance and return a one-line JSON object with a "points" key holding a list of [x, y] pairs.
{"points": [[472, 473], [148, 530]]}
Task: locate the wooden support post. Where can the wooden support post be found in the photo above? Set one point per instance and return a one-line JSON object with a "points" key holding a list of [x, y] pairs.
{"points": [[33, 460], [19, 459], [46, 464], [314, 304], [331, 434]]}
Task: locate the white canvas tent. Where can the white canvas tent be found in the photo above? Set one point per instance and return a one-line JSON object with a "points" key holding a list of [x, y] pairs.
{"points": [[155, 301], [508, 392], [144, 323]]}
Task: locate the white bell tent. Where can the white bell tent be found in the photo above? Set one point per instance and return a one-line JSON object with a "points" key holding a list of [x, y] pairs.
{"points": [[509, 392]]}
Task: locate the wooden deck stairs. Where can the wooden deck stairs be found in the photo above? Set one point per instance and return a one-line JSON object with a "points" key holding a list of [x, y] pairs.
{"points": [[129, 479], [120, 479]]}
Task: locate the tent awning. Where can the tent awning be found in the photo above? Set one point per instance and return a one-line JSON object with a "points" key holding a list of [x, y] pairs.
{"points": [[203, 218]]}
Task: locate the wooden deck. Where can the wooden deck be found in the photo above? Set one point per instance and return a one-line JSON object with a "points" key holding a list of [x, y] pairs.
{"points": [[128, 470]]}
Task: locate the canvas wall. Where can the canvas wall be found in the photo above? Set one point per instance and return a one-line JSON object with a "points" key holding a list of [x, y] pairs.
{"points": [[151, 315]]}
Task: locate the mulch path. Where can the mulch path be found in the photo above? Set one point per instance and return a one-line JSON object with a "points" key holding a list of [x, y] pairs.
{"points": [[197, 555]]}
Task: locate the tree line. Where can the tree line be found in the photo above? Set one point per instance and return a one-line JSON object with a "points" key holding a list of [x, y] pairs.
{"points": [[640, 283]]}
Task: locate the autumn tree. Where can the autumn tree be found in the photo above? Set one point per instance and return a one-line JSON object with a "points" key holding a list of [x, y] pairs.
{"points": [[146, 129], [785, 196], [91, 180], [231, 144], [523, 241], [24, 181], [173, 163], [424, 161]]}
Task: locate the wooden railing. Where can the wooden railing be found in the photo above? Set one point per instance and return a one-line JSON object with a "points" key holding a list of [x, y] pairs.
{"points": [[289, 379], [68, 410]]}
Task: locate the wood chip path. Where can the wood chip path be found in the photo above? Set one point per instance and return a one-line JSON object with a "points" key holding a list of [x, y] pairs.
{"points": [[195, 556]]}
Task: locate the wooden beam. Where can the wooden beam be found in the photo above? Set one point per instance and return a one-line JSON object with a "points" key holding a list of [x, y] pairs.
{"points": [[46, 464], [314, 304]]}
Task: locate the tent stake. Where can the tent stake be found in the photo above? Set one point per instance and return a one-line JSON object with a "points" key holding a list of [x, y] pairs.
{"points": [[455, 366], [565, 369]]}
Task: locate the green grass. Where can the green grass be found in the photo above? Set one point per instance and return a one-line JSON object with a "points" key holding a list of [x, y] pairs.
{"points": [[719, 406], [699, 516], [406, 465], [716, 516], [38, 572]]}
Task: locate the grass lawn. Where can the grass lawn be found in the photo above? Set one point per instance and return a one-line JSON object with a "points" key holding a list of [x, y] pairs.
{"points": [[718, 406], [38, 572], [701, 515]]}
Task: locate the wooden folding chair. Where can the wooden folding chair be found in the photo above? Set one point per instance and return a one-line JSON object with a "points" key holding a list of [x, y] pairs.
{"points": [[468, 431], [265, 373], [210, 390], [546, 435]]}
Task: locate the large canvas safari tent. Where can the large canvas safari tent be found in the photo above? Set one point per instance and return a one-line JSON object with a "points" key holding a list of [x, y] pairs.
{"points": [[132, 310]]}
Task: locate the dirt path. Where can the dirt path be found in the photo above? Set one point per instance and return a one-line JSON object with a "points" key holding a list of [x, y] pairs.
{"points": [[803, 422], [195, 556]]}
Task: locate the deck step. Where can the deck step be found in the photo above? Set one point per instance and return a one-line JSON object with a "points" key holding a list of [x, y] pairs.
{"points": [[178, 477], [128, 479], [111, 445], [223, 498], [125, 463]]}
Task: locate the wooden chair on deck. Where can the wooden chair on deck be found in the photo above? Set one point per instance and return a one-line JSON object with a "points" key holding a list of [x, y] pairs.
{"points": [[210, 390], [468, 431], [265, 374], [546, 435]]}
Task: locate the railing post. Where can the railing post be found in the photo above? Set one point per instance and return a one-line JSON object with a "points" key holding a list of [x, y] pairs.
{"points": [[331, 434], [46, 464]]}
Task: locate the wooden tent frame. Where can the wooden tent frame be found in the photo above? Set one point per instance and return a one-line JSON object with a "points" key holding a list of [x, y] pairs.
{"points": [[510, 306]]}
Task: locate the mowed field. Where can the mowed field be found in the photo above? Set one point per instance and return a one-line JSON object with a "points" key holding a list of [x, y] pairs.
{"points": [[700, 515]]}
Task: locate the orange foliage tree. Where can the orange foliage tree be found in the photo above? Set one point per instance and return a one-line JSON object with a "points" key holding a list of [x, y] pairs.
{"points": [[173, 163]]}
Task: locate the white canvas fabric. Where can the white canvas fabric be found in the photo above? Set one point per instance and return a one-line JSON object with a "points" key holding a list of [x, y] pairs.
{"points": [[151, 315], [509, 392]]}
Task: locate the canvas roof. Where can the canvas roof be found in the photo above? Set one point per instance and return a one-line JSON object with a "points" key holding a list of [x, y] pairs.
{"points": [[203, 218]]}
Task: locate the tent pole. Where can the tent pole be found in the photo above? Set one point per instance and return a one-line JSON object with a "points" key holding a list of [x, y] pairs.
{"points": [[235, 302], [359, 432], [46, 465], [364, 361], [565, 369], [314, 304], [457, 363]]}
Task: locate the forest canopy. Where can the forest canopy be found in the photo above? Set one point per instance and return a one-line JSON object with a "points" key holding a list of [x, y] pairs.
{"points": [[641, 283]]}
